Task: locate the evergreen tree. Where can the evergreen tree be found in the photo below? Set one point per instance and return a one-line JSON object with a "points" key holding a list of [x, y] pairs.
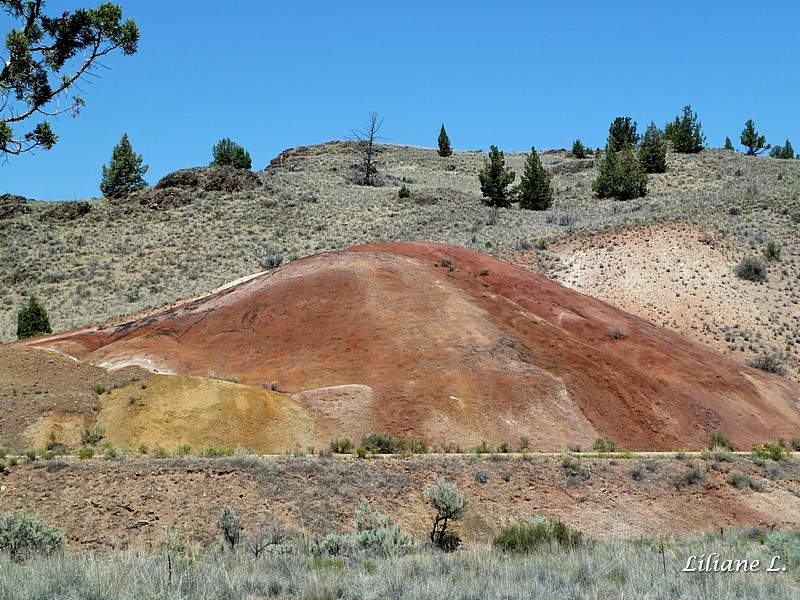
{"points": [[750, 139], [495, 177], [685, 133], [729, 145], [444, 143], [621, 175], [227, 152], [653, 151], [32, 320], [622, 132], [124, 173], [534, 190], [785, 151], [578, 149]]}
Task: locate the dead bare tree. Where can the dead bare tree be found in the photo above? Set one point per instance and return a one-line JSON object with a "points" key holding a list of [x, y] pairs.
{"points": [[366, 145]]}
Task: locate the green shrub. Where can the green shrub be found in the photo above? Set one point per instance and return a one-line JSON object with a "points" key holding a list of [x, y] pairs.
{"points": [[160, 452], [772, 251], [529, 538], [230, 525], [578, 149], [110, 451], [718, 439], [125, 173], [751, 268], [404, 192], [32, 320], [23, 536], [227, 152], [86, 452], [90, 437], [769, 451], [184, 450], [341, 445], [361, 452], [728, 145], [743, 482], [374, 534], [604, 445], [786, 151]]}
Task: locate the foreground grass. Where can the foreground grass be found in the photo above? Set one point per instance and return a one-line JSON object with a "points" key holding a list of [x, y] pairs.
{"points": [[643, 569]]}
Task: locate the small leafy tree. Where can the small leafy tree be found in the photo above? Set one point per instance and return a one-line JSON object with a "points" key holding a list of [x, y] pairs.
{"points": [[621, 175], [685, 132], [785, 151], [444, 143], [622, 132], [125, 172], [729, 145], [578, 149], [534, 191], [227, 152], [755, 143], [495, 177], [653, 151], [450, 504], [32, 320]]}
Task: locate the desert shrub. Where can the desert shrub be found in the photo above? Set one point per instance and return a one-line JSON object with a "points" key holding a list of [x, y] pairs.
{"points": [[183, 450], [227, 152], [374, 534], [230, 525], [653, 151], [503, 447], [481, 476], [621, 175], [482, 448], [534, 190], [23, 536], [718, 439], [524, 442], [768, 451], [361, 452], [685, 133], [751, 268], [109, 451], [213, 452], [495, 177], [159, 452], [604, 445], [541, 534], [769, 362], [444, 144], [796, 444], [32, 320], [578, 149], [772, 251], [404, 192], [91, 436], [380, 443], [743, 482], [86, 452], [450, 504], [341, 445], [692, 476], [617, 333]]}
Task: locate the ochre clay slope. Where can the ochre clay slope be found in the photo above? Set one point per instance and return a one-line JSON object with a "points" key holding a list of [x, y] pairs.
{"points": [[451, 345]]}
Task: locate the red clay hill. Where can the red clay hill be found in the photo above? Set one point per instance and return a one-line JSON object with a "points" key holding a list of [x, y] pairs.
{"points": [[448, 344]]}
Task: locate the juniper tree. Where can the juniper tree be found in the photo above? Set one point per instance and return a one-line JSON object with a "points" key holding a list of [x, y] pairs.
{"points": [[750, 139], [622, 132], [125, 171], [785, 151], [578, 149], [227, 152], [495, 177], [534, 190], [685, 132], [621, 175], [32, 320], [45, 58], [444, 143], [653, 151], [729, 145]]}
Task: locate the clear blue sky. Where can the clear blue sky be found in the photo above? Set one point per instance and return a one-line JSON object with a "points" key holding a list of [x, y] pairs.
{"points": [[272, 75]]}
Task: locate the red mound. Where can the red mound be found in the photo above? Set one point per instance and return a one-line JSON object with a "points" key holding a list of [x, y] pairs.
{"points": [[451, 345]]}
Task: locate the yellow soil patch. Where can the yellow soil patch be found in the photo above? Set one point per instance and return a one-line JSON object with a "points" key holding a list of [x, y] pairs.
{"points": [[170, 410]]}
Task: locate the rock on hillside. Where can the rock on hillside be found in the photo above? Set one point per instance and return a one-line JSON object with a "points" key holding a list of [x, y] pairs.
{"points": [[445, 343]]}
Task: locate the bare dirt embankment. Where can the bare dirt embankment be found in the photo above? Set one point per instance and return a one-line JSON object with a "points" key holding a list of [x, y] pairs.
{"points": [[430, 341]]}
